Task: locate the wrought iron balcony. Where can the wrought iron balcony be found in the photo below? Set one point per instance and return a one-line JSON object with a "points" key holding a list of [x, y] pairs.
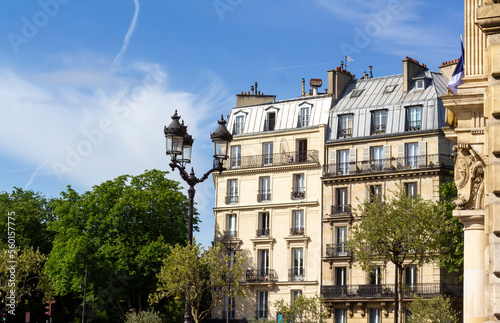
{"points": [[264, 196], [387, 291], [261, 313], [345, 133], [231, 199], [337, 250], [285, 158], [296, 274], [232, 234], [389, 165], [261, 275], [341, 209], [263, 232], [414, 125], [297, 231], [378, 129], [298, 193]]}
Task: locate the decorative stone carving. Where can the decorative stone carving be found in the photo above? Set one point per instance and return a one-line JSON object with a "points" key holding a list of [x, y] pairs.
{"points": [[469, 178]]}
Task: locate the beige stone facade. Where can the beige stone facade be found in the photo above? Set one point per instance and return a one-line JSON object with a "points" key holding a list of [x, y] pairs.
{"points": [[475, 128]]}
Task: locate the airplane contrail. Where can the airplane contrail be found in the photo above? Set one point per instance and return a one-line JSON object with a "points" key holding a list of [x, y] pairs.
{"points": [[126, 40]]}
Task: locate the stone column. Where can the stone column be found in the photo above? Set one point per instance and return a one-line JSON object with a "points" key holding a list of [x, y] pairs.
{"points": [[475, 278]]}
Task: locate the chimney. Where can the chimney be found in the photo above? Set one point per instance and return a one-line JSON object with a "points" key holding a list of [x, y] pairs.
{"points": [[447, 68], [337, 81], [411, 68], [315, 84], [371, 72], [253, 97], [303, 87], [252, 89], [255, 88]]}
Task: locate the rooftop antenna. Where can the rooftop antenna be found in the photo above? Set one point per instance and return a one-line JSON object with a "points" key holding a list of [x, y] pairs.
{"points": [[347, 58]]}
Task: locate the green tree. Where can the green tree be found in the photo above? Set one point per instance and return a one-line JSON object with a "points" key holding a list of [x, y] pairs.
{"points": [[121, 230], [199, 271], [434, 310], [143, 317], [302, 309], [21, 276], [403, 230], [453, 259]]}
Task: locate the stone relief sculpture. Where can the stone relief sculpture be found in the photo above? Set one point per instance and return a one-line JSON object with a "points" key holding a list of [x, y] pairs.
{"points": [[469, 178]]}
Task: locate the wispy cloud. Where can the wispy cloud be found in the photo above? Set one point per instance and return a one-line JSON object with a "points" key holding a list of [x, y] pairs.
{"points": [[126, 40]]}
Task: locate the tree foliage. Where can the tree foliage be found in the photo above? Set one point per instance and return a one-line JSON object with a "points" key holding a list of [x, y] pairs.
{"points": [[302, 309], [195, 271], [403, 230], [143, 317], [121, 230], [453, 259], [21, 276], [433, 310]]}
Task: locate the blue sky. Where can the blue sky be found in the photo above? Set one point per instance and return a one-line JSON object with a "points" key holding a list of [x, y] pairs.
{"points": [[87, 86]]}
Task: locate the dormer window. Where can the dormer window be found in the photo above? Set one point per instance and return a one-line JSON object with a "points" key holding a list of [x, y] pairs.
{"points": [[345, 126], [356, 93], [270, 121], [239, 124], [304, 117], [420, 84], [413, 118], [389, 88], [379, 122]]}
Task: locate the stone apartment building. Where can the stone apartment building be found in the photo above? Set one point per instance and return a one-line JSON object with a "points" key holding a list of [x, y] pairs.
{"points": [[299, 167]]}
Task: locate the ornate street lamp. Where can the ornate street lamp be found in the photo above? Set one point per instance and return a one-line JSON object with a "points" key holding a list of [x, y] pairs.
{"points": [[179, 148]]}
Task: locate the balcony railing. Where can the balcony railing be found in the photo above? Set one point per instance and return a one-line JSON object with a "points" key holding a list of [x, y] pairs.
{"points": [[261, 275], [378, 129], [261, 313], [264, 196], [297, 231], [298, 193], [232, 234], [263, 232], [337, 250], [414, 125], [389, 165], [285, 158], [296, 274], [387, 291], [341, 209], [345, 133], [232, 199]]}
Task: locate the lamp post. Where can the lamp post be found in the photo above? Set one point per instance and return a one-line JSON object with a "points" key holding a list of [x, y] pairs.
{"points": [[179, 148]]}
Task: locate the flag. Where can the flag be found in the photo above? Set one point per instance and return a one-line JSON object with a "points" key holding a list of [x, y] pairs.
{"points": [[349, 59], [458, 73]]}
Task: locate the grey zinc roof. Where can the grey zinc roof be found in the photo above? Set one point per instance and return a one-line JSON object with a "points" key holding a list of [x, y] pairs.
{"points": [[373, 98]]}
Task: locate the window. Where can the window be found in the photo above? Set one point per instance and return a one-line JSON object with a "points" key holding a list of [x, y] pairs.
{"points": [[420, 84], [264, 262], [340, 315], [340, 276], [389, 88], [267, 153], [296, 294], [345, 126], [341, 240], [343, 162], [379, 122], [414, 118], [411, 189], [297, 264], [303, 117], [299, 190], [264, 189], [228, 307], [263, 225], [302, 150], [239, 124], [262, 305], [377, 156], [235, 156], [232, 194], [270, 121], [410, 280], [376, 276], [341, 196], [374, 316], [231, 226], [412, 155], [374, 191], [298, 222], [356, 93]]}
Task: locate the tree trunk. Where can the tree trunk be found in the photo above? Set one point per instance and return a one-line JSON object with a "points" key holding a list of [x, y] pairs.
{"points": [[396, 295], [400, 294]]}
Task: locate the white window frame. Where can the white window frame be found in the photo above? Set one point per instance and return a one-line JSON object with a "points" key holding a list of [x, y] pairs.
{"points": [[379, 119], [236, 156], [345, 126], [304, 116], [343, 161], [414, 118], [232, 191], [297, 264], [239, 124], [265, 189], [412, 154], [267, 153]]}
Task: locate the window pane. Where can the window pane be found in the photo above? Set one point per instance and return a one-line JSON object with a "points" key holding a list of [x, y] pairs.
{"points": [[235, 156], [239, 125]]}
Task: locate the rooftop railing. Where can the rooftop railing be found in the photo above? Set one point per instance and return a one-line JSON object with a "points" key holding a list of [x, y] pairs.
{"points": [[389, 165], [286, 158]]}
